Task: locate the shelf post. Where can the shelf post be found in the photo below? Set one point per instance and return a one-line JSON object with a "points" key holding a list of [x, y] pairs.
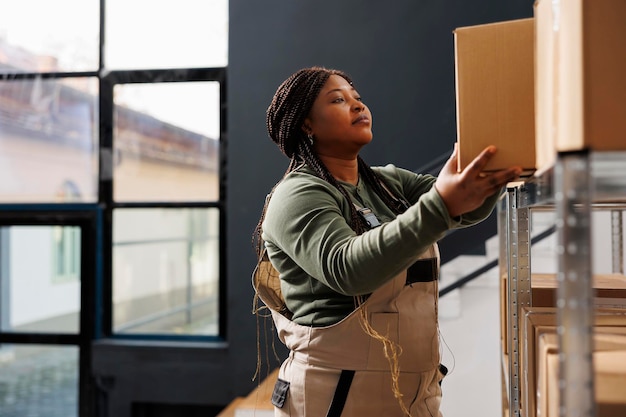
{"points": [[574, 294], [518, 277]]}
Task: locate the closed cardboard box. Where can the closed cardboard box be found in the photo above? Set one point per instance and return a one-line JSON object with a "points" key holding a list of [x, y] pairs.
{"points": [[545, 117], [494, 66], [609, 360], [581, 87], [547, 368], [536, 321], [610, 383]]}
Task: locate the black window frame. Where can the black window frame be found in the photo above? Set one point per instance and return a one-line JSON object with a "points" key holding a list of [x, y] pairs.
{"points": [[105, 197], [88, 217]]}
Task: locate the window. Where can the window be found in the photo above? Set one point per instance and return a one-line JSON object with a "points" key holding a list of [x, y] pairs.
{"points": [[166, 271], [41, 287], [112, 201], [165, 199]]}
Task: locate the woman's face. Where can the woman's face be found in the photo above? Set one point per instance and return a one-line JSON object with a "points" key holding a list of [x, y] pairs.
{"points": [[339, 121]]}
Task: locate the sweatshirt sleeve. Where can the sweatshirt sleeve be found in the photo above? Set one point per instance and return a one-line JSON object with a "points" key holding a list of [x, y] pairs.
{"points": [[413, 185], [306, 222]]}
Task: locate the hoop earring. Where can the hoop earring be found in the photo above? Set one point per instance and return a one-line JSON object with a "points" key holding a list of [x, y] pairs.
{"points": [[310, 137]]}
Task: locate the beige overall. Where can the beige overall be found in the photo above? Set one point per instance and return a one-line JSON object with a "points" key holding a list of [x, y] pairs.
{"points": [[404, 313]]}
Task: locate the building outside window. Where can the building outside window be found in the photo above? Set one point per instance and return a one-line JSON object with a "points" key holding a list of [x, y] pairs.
{"points": [[97, 116]]}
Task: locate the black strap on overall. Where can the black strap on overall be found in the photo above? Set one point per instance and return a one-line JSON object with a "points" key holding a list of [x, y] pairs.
{"points": [[341, 393]]}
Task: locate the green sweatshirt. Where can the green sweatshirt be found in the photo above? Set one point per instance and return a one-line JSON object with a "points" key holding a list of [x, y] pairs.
{"points": [[323, 263]]}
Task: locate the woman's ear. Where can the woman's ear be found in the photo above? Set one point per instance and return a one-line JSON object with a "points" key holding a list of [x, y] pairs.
{"points": [[306, 127]]}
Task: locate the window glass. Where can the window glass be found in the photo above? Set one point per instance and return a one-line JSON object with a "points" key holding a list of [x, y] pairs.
{"points": [[49, 36], [165, 271], [41, 296], [161, 34], [48, 140], [166, 139], [38, 381]]}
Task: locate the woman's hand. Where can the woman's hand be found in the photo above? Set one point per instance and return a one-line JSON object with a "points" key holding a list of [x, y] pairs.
{"points": [[465, 191]]}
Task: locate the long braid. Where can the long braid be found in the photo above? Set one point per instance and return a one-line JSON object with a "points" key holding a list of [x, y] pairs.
{"points": [[396, 203], [314, 162]]}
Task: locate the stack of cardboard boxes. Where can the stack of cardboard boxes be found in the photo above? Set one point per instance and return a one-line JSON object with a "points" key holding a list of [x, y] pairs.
{"points": [[535, 88], [538, 86]]}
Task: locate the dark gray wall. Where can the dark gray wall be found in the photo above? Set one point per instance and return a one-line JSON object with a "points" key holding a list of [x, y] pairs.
{"points": [[401, 57]]}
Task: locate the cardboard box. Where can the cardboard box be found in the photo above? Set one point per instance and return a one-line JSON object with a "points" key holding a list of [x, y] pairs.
{"points": [[581, 97], [547, 371], [543, 318], [609, 290], [537, 321], [528, 364], [610, 383], [548, 367], [546, 342], [504, 315], [495, 93], [609, 364], [545, 121], [504, 377]]}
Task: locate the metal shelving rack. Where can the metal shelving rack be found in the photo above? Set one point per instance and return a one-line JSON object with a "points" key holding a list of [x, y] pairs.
{"points": [[514, 243], [576, 184]]}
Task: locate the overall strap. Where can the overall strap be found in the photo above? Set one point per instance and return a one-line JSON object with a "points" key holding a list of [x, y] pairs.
{"points": [[367, 215], [341, 393], [401, 204]]}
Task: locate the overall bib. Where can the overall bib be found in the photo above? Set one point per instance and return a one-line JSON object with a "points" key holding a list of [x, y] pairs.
{"points": [[404, 310]]}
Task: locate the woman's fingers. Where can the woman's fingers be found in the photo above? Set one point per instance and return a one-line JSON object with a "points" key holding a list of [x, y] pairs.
{"points": [[467, 190], [494, 181], [478, 164]]}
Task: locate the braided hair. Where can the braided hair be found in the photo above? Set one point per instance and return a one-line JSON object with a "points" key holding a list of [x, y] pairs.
{"points": [[285, 117]]}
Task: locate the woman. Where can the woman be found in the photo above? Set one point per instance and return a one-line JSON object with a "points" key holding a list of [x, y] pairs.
{"points": [[348, 257]]}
